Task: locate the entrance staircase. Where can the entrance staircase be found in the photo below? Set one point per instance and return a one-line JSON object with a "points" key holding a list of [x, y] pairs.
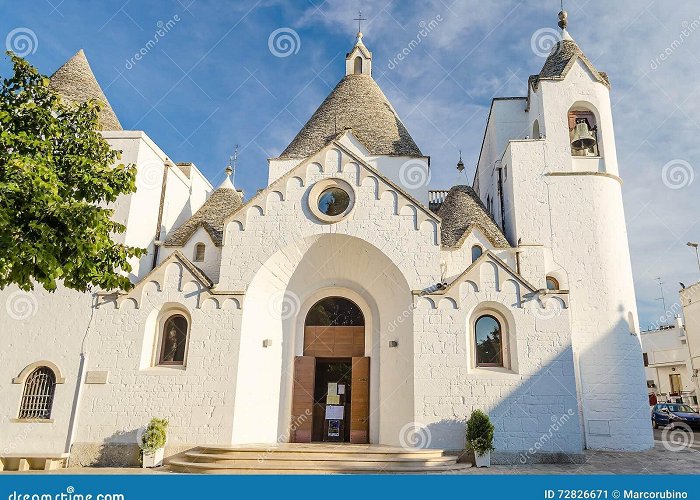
{"points": [[313, 458]]}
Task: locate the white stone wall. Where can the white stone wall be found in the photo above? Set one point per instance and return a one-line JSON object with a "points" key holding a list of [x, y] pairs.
{"points": [[197, 399], [536, 388], [39, 326]]}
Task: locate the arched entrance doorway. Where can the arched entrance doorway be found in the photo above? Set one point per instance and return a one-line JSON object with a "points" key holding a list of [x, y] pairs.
{"points": [[331, 379]]}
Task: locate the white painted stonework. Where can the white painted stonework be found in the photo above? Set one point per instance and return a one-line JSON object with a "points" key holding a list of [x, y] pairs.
{"points": [[572, 376]]}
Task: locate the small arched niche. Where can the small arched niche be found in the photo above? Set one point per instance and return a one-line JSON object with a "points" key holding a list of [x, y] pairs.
{"points": [[536, 130], [476, 252]]}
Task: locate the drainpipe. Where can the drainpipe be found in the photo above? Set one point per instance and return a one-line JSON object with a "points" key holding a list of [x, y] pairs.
{"points": [[500, 197], [79, 383], [156, 240]]}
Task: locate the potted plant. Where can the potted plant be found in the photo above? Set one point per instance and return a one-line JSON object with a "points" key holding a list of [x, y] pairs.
{"points": [[153, 442], [480, 438]]}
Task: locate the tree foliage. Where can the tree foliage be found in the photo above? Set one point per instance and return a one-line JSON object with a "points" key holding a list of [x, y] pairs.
{"points": [[57, 178]]}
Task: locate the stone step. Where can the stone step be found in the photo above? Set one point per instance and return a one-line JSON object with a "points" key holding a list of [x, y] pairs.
{"points": [[301, 468], [306, 455], [321, 448], [317, 460]]}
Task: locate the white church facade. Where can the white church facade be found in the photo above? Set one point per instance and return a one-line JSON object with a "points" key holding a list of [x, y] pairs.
{"points": [[345, 282]]}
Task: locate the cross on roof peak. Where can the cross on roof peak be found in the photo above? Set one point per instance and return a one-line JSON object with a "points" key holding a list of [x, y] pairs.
{"points": [[359, 20]]}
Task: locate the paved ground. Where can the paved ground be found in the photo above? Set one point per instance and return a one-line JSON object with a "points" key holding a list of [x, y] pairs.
{"points": [[673, 453], [677, 453]]}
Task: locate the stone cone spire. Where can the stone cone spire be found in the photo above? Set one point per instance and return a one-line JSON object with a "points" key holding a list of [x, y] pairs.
{"points": [[75, 82]]}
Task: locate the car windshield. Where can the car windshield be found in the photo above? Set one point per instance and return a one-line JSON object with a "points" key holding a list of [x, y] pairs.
{"points": [[681, 408]]}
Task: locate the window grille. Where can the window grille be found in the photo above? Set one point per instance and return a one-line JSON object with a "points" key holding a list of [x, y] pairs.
{"points": [[39, 390]]}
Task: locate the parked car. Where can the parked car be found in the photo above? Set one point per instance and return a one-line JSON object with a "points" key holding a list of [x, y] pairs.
{"points": [[675, 415]]}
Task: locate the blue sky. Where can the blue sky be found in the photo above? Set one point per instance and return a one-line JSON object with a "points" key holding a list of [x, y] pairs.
{"points": [[212, 81]]}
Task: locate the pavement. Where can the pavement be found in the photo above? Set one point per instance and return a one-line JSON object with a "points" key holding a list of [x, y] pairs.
{"points": [[675, 452]]}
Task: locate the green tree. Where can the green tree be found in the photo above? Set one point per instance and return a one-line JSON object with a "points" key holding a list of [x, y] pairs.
{"points": [[57, 175]]}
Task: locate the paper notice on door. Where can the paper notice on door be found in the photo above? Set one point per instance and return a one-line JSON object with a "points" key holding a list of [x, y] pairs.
{"points": [[332, 388], [335, 412], [332, 399], [341, 388]]}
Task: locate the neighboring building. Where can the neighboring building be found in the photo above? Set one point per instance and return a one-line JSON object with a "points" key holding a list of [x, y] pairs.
{"points": [[690, 301], [346, 283], [667, 364]]}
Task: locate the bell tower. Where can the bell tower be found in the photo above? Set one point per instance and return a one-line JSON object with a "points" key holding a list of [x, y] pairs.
{"points": [[567, 197]]}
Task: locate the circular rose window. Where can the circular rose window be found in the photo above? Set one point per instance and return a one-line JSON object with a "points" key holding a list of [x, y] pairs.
{"points": [[333, 201]]}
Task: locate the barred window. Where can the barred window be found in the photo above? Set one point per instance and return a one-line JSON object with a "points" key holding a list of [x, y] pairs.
{"points": [[37, 399]]}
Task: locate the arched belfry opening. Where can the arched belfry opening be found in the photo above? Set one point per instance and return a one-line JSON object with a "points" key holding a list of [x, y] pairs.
{"points": [[331, 379], [358, 65]]}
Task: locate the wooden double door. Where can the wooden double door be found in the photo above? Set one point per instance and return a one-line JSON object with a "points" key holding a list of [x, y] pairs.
{"points": [[333, 358]]}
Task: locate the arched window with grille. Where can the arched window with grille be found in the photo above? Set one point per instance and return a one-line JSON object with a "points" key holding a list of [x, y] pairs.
{"points": [[37, 399]]}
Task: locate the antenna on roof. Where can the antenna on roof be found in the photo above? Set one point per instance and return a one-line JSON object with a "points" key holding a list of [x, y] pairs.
{"points": [[662, 298]]}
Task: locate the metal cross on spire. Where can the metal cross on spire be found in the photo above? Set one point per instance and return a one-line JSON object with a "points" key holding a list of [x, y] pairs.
{"points": [[232, 164], [359, 20]]}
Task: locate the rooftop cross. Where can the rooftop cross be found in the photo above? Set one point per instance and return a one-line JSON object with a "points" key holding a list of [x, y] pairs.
{"points": [[359, 20], [232, 164]]}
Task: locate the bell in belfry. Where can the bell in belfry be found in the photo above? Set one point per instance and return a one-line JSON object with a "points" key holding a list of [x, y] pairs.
{"points": [[583, 138]]}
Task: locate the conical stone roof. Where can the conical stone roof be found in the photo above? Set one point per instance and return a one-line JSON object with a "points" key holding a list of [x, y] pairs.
{"points": [[211, 216], [461, 212], [560, 61], [358, 103], [76, 83]]}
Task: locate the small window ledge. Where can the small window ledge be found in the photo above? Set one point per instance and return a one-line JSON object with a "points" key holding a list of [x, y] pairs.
{"points": [[32, 420], [494, 372], [163, 369]]}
